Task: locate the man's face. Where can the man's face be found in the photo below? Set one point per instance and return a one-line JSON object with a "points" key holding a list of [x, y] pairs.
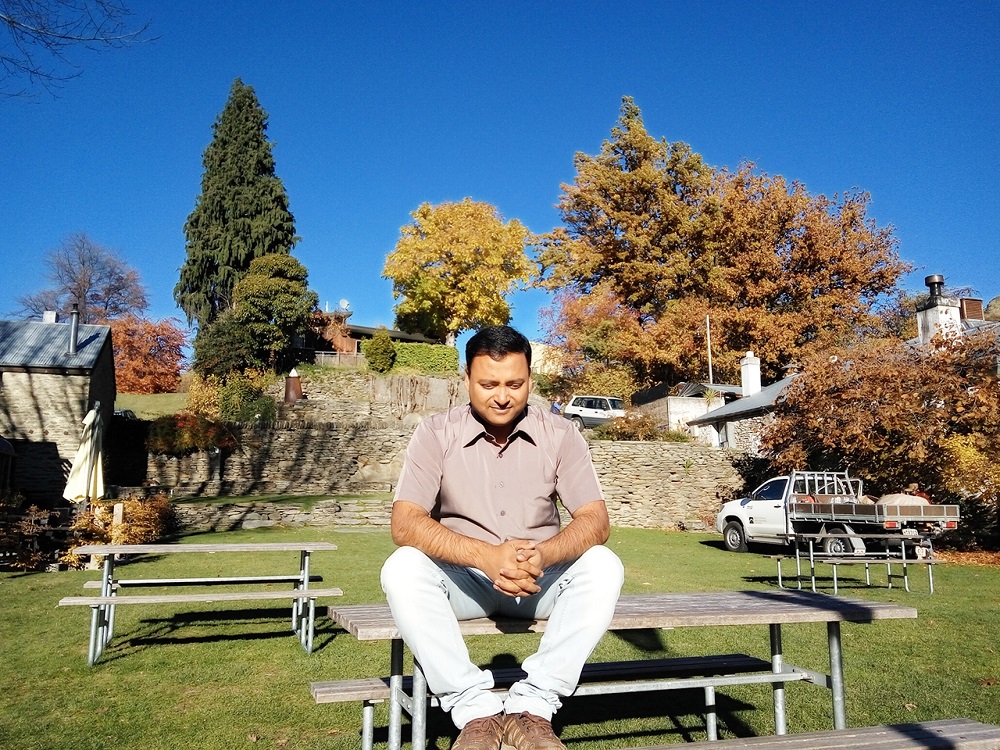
{"points": [[498, 390]]}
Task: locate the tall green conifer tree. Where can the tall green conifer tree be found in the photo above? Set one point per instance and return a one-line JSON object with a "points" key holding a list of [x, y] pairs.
{"points": [[241, 214]]}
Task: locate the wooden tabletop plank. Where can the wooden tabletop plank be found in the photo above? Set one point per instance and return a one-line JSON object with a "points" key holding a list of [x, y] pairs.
{"points": [[368, 622], [137, 549]]}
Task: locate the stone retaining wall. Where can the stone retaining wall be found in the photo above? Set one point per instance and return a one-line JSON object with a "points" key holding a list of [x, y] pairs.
{"points": [[647, 485], [654, 485], [360, 511], [296, 458]]}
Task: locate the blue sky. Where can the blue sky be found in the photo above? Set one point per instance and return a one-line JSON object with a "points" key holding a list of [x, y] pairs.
{"points": [[377, 107]]}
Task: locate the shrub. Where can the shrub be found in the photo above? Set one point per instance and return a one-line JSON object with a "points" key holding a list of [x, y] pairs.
{"points": [[638, 427], [181, 434], [242, 398], [23, 539], [379, 351], [203, 396], [144, 520]]}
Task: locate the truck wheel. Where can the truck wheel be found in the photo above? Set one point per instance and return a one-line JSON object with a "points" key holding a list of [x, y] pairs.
{"points": [[578, 421], [836, 545], [734, 537]]}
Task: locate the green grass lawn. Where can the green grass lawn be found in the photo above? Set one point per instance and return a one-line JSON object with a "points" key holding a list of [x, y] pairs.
{"points": [[232, 676], [151, 405]]}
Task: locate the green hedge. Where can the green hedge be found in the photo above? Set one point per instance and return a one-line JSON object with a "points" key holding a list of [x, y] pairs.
{"points": [[432, 359]]}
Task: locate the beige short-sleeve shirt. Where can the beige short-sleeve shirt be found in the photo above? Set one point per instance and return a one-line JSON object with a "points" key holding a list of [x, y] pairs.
{"points": [[490, 493]]}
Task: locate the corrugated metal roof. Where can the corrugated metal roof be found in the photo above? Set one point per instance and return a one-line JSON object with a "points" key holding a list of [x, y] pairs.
{"points": [[33, 345], [758, 403]]}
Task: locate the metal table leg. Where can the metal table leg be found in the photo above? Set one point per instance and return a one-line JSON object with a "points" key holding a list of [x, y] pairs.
{"points": [[299, 605], [395, 688], [812, 565], [107, 623], [418, 713], [711, 714], [367, 725], [780, 724], [96, 645], [836, 675], [308, 632]]}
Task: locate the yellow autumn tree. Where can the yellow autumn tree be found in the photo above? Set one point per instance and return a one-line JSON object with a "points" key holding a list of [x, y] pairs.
{"points": [[454, 267]]}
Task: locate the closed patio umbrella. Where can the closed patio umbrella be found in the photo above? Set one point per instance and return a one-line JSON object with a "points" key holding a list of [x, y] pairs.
{"points": [[86, 476]]}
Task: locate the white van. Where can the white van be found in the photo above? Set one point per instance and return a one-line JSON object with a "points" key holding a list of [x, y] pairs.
{"points": [[590, 411]]}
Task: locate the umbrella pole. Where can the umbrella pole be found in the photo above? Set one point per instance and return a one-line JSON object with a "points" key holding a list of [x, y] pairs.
{"points": [[92, 458]]}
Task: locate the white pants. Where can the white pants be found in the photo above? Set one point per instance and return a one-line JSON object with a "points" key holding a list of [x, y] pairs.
{"points": [[428, 598]]}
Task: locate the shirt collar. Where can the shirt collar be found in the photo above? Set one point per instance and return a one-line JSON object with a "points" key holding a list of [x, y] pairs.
{"points": [[473, 430]]}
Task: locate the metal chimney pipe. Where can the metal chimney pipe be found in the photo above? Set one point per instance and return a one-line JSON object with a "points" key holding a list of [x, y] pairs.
{"points": [[74, 328], [936, 285]]}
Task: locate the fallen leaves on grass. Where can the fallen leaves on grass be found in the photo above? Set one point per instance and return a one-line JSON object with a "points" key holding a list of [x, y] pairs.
{"points": [[969, 558]]}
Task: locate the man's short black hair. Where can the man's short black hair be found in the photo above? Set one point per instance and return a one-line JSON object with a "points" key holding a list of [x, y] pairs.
{"points": [[496, 342]]}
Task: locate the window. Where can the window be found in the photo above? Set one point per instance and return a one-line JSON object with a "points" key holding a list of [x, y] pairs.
{"points": [[773, 490]]}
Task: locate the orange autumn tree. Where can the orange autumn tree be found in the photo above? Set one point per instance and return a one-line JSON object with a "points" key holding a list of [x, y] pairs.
{"points": [[648, 225], [148, 355], [597, 343], [795, 273], [894, 414]]}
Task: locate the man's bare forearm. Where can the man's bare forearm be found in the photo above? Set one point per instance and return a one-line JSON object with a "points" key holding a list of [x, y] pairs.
{"points": [[589, 528], [412, 526]]}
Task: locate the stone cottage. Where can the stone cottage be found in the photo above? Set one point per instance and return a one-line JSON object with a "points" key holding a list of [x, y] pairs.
{"points": [[51, 375]]}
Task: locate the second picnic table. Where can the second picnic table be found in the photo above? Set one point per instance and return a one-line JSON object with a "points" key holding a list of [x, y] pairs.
{"points": [[103, 606], [643, 611]]}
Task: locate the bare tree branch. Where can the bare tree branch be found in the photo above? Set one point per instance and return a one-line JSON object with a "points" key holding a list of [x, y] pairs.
{"points": [[41, 34]]}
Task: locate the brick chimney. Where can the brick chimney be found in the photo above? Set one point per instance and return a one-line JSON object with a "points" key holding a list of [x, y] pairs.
{"points": [[937, 314], [750, 374]]}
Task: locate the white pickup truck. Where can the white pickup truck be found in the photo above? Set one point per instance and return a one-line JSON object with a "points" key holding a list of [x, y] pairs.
{"points": [[821, 502]]}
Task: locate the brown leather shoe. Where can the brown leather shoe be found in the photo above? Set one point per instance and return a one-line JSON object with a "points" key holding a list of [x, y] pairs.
{"points": [[526, 731], [481, 734]]}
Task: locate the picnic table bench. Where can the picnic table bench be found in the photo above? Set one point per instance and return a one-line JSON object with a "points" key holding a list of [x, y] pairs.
{"points": [[643, 611], [302, 597], [948, 734], [887, 557]]}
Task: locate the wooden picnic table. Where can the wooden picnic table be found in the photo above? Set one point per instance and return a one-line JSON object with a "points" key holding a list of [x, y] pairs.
{"points": [[643, 611], [103, 606], [923, 555]]}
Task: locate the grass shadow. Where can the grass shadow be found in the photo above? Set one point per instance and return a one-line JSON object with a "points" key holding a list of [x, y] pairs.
{"points": [[217, 625]]}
